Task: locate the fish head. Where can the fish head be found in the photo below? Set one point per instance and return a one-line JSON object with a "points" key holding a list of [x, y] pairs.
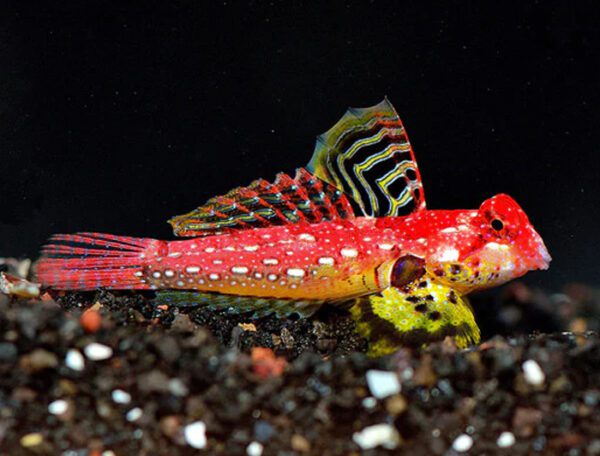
{"points": [[498, 244]]}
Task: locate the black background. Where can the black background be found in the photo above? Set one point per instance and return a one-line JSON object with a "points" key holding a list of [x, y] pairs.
{"points": [[116, 115]]}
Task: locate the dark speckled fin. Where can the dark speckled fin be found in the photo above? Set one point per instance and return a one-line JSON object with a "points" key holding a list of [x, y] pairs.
{"points": [[423, 312], [259, 307]]}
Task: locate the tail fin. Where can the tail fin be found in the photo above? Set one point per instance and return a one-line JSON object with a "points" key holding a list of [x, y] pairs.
{"points": [[85, 261]]}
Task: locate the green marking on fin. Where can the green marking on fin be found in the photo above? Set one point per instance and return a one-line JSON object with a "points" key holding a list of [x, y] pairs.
{"points": [[423, 312], [259, 307]]}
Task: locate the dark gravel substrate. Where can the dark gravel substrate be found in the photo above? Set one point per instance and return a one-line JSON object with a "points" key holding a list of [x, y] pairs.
{"points": [[165, 372]]}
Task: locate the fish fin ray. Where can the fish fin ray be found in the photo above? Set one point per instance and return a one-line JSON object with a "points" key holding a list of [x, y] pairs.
{"points": [[423, 312], [302, 199], [368, 156], [258, 307]]}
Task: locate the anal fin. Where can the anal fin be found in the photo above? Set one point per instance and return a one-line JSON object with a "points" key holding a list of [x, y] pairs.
{"points": [[258, 307]]}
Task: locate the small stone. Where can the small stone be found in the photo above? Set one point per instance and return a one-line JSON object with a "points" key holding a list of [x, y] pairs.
{"points": [[74, 360], [134, 414], [195, 434], [462, 443], [38, 360], [32, 440], [97, 352], [121, 397], [153, 381], [534, 375], [58, 407], [263, 431], [300, 443], [170, 426], [505, 440], [254, 449], [395, 405], [8, 352], [371, 437], [525, 420], [177, 387], [369, 402], [383, 383]]}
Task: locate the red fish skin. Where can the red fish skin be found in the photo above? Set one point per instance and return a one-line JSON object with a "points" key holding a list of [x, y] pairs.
{"points": [[328, 260]]}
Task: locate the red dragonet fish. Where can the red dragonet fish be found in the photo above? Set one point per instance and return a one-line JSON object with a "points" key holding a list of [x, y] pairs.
{"points": [[350, 229]]}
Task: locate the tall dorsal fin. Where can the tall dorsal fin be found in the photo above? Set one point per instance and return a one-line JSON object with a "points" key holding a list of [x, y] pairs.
{"points": [[367, 155], [303, 198]]}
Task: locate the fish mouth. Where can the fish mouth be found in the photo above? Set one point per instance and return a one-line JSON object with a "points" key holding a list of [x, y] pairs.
{"points": [[543, 258]]}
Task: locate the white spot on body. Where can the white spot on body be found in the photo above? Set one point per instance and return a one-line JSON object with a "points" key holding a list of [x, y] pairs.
{"points": [[450, 229], [449, 254], [229, 248], [326, 260], [169, 273], [270, 261], [349, 253], [251, 248], [239, 270], [156, 274], [139, 274], [175, 254], [213, 276], [272, 277], [385, 246], [192, 269], [209, 249], [306, 237], [296, 272]]}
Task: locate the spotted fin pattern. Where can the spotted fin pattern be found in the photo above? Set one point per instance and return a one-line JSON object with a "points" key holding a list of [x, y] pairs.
{"points": [[367, 155], [422, 312], [303, 198], [258, 307]]}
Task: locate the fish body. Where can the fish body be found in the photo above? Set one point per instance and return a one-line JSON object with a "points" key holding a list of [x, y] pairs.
{"points": [[352, 229]]}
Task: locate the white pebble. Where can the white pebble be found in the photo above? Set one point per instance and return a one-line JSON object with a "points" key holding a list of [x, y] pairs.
{"points": [[254, 449], [134, 414], [97, 352], [371, 437], [58, 407], [74, 360], [177, 387], [121, 397], [505, 440], [383, 383], [534, 375], [462, 443], [195, 434], [369, 402]]}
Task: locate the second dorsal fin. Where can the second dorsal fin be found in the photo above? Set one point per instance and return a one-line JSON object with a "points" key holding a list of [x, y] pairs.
{"points": [[303, 198], [367, 155]]}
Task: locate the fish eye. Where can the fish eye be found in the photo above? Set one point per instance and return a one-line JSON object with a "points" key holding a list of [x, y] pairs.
{"points": [[497, 224]]}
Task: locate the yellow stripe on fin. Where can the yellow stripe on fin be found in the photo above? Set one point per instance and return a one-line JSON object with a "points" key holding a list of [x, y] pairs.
{"points": [[368, 156]]}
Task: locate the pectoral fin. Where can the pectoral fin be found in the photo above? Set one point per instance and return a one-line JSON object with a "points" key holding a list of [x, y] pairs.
{"points": [[424, 311]]}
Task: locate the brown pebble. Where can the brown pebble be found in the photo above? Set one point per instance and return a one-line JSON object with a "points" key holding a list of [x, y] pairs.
{"points": [[39, 359], [170, 426], [424, 374], [300, 443], [525, 420], [395, 404]]}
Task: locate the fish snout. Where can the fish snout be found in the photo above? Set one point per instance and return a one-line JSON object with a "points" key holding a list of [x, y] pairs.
{"points": [[539, 253]]}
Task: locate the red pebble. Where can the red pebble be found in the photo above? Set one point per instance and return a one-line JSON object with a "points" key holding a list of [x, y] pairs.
{"points": [[266, 364], [91, 320]]}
